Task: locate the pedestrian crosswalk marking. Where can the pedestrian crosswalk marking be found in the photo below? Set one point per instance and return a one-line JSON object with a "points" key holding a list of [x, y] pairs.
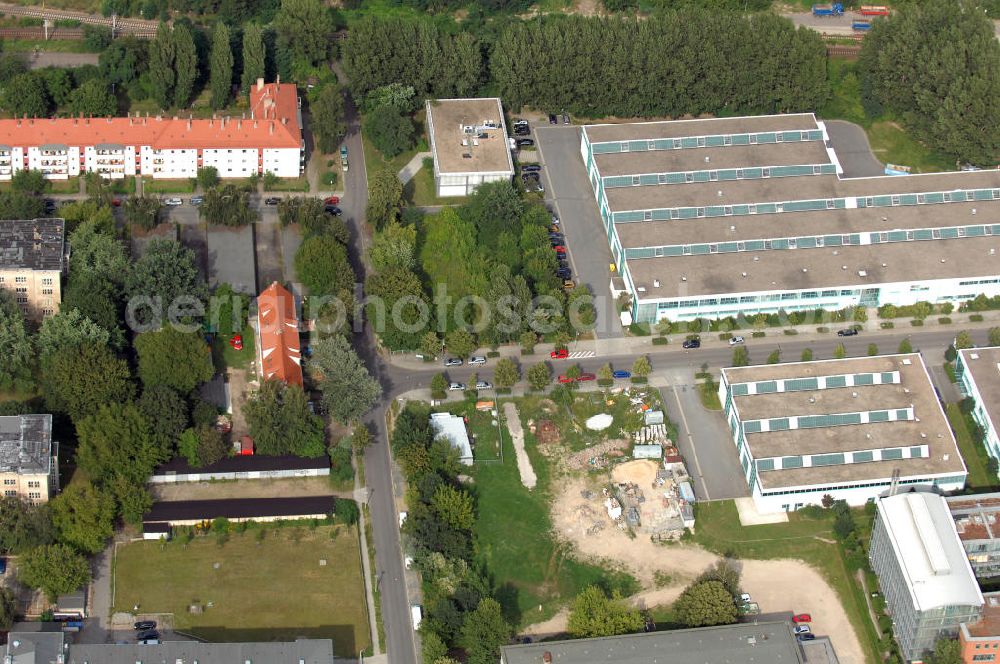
{"points": [[580, 354]]}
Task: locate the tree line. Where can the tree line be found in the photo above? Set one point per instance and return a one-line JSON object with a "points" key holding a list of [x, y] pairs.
{"points": [[936, 67], [673, 63]]}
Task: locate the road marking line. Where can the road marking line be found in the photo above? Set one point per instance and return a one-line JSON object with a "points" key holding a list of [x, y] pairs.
{"points": [[579, 354], [694, 451]]}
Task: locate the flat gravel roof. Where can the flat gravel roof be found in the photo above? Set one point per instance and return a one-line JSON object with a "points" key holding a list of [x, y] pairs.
{"points": [[446, 117], [732, 156], [634, 131]]}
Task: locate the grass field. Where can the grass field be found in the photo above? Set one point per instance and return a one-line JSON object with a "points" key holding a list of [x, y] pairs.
{"points": [[975, 457], [515, 544], [420, 190], [289, 184], [224, 355], [719, 530], [180, 186], [262, 591]]}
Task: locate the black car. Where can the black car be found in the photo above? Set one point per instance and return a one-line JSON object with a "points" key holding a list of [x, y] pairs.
{"points": [[530, 177], [849, 332], [564, 273], [525, 142], [49, 205], [806, 637], [272, 200], [692, 343], [144, 625], [147, 635], [333, 209], [557, 237], [523, 130], [531, 168], [553, 119]]}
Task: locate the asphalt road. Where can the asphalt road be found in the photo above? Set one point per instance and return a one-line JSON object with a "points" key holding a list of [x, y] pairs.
{"points": [[853, 150], [838, 25]]}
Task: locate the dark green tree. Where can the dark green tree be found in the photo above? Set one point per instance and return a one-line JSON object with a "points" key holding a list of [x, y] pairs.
{"points": [[168, 416], [281, 423], [349, 391], [17, 360], [221, 64], [226, 206], [67, 329], [390, 131], [179, 360], [54, 569], [705, 603], [946, 651], [93, 98], [304, 28], [30, 181], [254, 56], [385, 198], [81, 379], [124, 61], [167, 271], [84, 517], [185, 65], [207, 177], [8, 608], [484, 632], [202, 446], [594, 614], [162, 66], [322, 266], [23, 525], [327, 118], [25, 95], [143, 211]]}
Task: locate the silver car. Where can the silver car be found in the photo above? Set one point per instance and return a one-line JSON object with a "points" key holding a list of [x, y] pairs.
{"points": [[173, 202], [453, 362], [456, 387], [476, 359], [483, 385]]}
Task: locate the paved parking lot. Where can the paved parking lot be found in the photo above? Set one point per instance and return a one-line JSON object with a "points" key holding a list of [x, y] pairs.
{"points": [[851, 145], [231, 258], [569, 192]]}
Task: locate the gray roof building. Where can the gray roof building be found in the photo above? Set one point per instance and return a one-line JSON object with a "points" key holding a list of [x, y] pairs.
{"points": [[26, 444], [300, 651], [35, 643], [763, 643], [32, 244]]}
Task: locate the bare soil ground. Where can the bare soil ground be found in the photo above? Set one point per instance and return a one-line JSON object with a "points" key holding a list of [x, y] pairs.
{"points": [[780, 587], [284, 488]]}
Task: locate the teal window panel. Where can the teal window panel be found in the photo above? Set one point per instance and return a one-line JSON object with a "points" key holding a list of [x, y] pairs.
{"points": [[648, 179], [768, 137], [715, 141], [663, 143], [805, 242], [753, 245], [766, 208], [647, 252], [854, 238], [902, 414], [908, 199], [887, 377], [936, 197], [897, 236], [797, 206], [604, 148], [892, 453], [689, 142], [675, 178], [745, 463], [638, 146], [878, 416], [740, 390], [862, 457], [728, 174], [882, 201], [726, 247], [779, 424], [661, 215], [715, 211], [983, 195], [741, 209], [864, 379], [765, 464], [916, 452], [767, 387], [699, 249], [752, 173], [740, 139], [861, 202], [829, 293], [829, 169], [781, 243], [791, 136], [816, 135], [751, 427], [701, 176], [995, 228], [836, 381], [923, 234], [975, 231], [791, 462], [948, 233], [840, 203], [675, 250], [817, 421], [827, 459], [628, 216], [832, 241], [798, 384], [874, 238], [687, 213]]}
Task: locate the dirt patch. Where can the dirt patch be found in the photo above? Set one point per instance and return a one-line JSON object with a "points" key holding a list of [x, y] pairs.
{"points": [[284, 488], [642, 472], [546, 432]]}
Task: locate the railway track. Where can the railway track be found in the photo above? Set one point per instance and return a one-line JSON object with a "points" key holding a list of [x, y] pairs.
{"points": [[132, 26], [840, 51]]}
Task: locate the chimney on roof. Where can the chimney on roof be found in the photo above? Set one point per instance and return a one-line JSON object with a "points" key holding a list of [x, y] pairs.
{"points": [[254, 124], [277, 79], [272, 128], [260, 84], [239, 124], [189, 124], [284, 121]]}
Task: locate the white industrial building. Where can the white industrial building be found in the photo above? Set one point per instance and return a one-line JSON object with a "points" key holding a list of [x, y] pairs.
{"points": [[922, 570], [844, 428], [267, 139], [978, 372], [723, 217], [469, 144], [452, 428]]}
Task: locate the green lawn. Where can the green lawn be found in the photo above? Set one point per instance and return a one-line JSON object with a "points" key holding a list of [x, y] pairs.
{"points": [[515, 544], [893, 145], [52, 46], [289, 184], [180, 186], [420, 191], [708, 392], [486, 435], [268, 590], [375, 160], [719, 530], [225, 356], [974, 455], [68, 186], [845, 100]]}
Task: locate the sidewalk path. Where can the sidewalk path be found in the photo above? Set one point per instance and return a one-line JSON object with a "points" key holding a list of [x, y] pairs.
{"points": [[407, 172], [528, 477], [361, 497]]}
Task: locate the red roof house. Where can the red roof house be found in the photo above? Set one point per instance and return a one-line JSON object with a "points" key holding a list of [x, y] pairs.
{"points": [[278, 350]]}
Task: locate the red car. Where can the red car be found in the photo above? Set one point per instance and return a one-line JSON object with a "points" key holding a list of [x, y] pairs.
{"points": [[559, 354], [587, 376], [332, 200], [116, 202], [565, 379], [559, 249], [802, 618]]}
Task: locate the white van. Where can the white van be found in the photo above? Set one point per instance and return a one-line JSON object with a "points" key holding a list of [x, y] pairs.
{"points": [[417, 614]]}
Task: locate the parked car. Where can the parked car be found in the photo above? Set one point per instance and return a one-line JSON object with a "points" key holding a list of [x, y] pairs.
{"points": [[587, 376], [520, 122], [148, 642], [116, 202], [148, 635], [272, 200], [564, 273], [476, 359], [565, 117], [483, 385], [736, 341], [554, 228], [559, 354], [173, 202], [802, 618], [802, 629], [806, 637], [569, 284], [534, 186], [525, 177], [691, 343], [522, 131], [525, 142], [197, 200], [3, 566], [333, 209], [531, 168], [622, 374], [745, 598], [331, 200], [553, 119], [453, 362], [456, 387], [144, 625], [849, 332], [565, 379]]}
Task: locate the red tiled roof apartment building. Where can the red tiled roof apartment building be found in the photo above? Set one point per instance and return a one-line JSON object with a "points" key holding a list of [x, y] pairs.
{"points": [[279, 354], [267, 139]]}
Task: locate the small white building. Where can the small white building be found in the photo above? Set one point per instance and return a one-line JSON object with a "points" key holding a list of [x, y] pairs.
{"points": [[843, 428], [978, 371], [469, 144], [452, 428]]}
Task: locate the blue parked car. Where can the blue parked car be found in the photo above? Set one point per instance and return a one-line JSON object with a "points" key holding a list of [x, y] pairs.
{"points": [[622, 374]]}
